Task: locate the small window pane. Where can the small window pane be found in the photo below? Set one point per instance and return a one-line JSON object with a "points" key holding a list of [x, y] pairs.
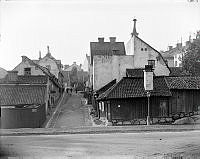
{"points": [[27, 71]]}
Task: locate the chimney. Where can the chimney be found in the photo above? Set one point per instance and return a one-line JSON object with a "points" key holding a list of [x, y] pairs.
{"points": [[23, 58], [39, 55], [101, 40], [179, 45], [48, 51], [170, 48], [134, 29], [187, 44], [112, 39], [12, 75]]}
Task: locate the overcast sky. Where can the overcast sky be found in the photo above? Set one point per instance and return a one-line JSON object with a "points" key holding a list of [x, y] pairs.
{"points": [[68, 26]]}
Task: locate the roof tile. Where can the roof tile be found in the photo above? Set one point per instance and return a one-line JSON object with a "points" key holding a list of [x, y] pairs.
{"points": [[22, 94], [130, 87]]}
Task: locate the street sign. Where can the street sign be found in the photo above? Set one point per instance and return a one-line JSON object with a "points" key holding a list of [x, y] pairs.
{"points": [[148, 81]]}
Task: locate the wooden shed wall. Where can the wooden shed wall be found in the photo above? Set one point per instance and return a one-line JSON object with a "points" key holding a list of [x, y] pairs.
{"points": [[136, 107], [184, 101]]}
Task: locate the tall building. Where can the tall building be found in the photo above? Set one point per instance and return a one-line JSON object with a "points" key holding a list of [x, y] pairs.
{"points": [[108, 60]]}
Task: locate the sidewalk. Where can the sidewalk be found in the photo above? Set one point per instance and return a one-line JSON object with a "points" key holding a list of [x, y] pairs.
{"points": [[99, 130]]}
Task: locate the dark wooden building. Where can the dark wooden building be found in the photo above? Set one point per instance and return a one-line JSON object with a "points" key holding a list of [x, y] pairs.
{"points": [[127, 99], [185, 94]]}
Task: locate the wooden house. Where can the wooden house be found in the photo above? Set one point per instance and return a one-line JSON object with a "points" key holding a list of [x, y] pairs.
{"points": [[127, 99], [185, 94]]}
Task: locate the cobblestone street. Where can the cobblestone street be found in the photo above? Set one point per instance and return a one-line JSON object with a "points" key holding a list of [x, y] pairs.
{"points": [[71, 113]]}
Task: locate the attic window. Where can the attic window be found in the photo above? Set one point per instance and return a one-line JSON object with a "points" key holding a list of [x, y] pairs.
{"points": [[27, 71], [145, 49], [142, 49]]}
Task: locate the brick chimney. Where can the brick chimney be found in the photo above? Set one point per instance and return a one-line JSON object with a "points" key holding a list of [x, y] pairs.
{"points": [[170, 48], [112, 39], [12, 75], [101, 40], [187, 43], [179, 45], [23, 58], [40, 55]]}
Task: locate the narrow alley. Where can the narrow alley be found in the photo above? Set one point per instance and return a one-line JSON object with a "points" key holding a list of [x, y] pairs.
{"points": [[71, 113]]}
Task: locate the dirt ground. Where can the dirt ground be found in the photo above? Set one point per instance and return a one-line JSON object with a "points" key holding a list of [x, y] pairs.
{"points": [[156, 145], [72, 113]]}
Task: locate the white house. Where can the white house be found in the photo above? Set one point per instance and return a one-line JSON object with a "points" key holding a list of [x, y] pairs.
{"points": [[109, 60]]}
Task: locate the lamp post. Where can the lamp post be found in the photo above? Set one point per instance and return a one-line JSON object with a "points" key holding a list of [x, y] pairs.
{"points": [[96, 95], [148, 115], [148, 86]]}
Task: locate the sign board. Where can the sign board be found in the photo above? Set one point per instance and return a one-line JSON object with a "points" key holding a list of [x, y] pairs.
{"points": [[34, 110], [148, 80]]}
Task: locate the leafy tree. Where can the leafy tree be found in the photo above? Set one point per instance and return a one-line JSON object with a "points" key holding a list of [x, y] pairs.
{"points": [[191, 59]]}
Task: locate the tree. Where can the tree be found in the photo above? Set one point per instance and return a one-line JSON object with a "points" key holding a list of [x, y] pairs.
{"points": [[191, 58]]}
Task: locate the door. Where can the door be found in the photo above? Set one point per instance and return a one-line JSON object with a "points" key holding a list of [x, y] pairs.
{"points": [[163, 112]]}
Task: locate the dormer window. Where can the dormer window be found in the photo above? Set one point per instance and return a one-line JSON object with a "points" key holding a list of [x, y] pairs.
{"points": [[27, 71], [151, 62]]}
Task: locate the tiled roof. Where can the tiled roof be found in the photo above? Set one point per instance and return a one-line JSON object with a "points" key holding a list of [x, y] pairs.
{"points": [[177, 71], [22, 94], [39, 79], [106, 87], [130, 87], [183, 82], [107, 48], [45, 71], [135, 72]]}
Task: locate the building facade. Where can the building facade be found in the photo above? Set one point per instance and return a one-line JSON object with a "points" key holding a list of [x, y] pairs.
{"points": [[109, 60], [27, 99], [48, 61]]}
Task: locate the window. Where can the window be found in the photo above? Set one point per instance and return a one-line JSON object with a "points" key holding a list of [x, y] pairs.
{"points": [[27, 71], [141, 49], [151, 62], [176, 63], [145, 49], [36, 68], [48, 67]]}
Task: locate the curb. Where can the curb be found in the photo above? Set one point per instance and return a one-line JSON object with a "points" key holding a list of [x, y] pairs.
{"points": [[98, 130], [53, 114]]}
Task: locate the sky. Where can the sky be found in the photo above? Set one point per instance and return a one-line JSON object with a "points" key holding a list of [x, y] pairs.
{"points": [[68, 26]]}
